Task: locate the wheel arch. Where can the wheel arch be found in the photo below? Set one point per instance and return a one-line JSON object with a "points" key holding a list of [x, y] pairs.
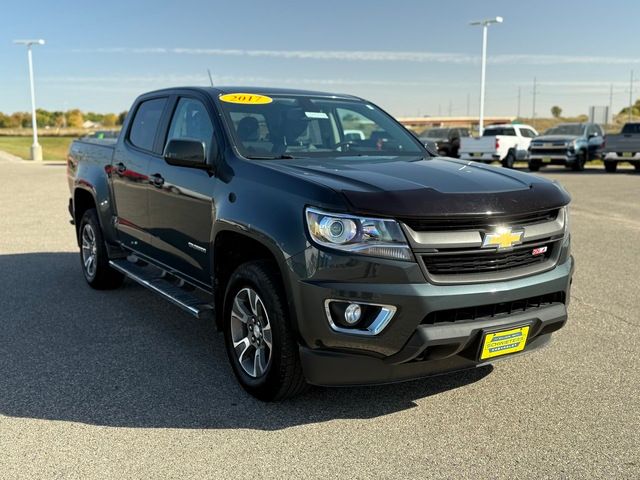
{"points": [[83, 200], [233, 247]]}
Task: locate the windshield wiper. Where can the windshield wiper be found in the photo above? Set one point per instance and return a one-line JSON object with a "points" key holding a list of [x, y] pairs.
{"points": [[277, 157]]}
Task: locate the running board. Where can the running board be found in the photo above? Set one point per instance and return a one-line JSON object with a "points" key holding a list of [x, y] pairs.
{"points": [[156, 283]]}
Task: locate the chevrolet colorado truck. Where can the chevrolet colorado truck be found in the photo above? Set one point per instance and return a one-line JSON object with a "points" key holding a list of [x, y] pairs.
{"points": [[506, 143], [624, 147], [568, 144], [324, 258]]}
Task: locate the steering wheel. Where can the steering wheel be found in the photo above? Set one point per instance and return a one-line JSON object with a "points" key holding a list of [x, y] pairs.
{"points": [[344, 143]]}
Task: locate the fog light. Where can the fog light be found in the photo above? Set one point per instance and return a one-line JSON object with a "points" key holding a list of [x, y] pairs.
{"points": [[352, 314]]}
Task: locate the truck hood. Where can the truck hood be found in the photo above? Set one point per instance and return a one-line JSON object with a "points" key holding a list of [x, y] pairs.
{"points": [[427, 187], [555, 138]]}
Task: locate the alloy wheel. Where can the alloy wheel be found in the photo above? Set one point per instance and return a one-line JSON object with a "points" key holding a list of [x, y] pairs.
{"points": [[89, 250], [251, 333]]}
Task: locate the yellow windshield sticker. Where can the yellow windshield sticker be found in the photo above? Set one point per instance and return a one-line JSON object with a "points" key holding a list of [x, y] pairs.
{"points": [[246, 98]]}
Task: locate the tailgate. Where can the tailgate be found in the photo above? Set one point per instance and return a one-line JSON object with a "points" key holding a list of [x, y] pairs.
{"points": [[478, 145], [622, 143]]}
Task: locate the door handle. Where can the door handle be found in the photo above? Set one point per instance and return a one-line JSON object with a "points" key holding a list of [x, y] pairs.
{"points": [[157, 180], [121, 168]]}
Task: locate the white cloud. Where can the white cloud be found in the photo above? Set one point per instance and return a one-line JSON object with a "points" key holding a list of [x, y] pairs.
{"points": [[377, 56]]}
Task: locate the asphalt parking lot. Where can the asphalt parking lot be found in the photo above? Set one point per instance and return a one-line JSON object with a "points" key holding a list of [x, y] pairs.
{"points": [[122, 384]]}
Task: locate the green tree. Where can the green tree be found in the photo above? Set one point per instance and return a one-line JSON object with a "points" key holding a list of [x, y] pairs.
{"points": [[556, 111], [109, 119]]}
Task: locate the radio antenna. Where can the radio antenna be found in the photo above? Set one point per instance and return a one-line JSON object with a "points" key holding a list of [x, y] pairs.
{"points": [[210, 77]]}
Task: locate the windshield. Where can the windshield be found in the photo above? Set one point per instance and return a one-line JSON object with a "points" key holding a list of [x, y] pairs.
{"points": [[305, 126], [436, 133], [569, 129]]}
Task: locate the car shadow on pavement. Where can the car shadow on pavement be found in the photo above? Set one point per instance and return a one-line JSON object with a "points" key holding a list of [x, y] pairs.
{"points": [[126, 358]]}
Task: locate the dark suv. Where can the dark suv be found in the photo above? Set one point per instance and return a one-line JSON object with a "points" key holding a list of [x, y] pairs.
{"points": [[446, 140]]}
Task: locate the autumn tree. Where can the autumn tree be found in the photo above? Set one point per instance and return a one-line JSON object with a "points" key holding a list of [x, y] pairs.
{"points": [[75, 118]]}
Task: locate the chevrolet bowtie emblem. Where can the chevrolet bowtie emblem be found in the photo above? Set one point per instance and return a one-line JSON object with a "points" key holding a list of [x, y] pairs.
{"points": [[502, 238]]}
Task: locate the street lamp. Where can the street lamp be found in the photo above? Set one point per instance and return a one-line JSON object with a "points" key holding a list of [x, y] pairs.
{"points": [[36, 149], [485, 25]]}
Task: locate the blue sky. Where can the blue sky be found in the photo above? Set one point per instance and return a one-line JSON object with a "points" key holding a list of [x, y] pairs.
{"points": [[411, 57]]}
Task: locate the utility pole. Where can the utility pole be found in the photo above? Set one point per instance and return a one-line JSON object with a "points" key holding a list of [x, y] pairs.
{"points": [[518, 115], [535, 91], [610, 113], [630, 95]]}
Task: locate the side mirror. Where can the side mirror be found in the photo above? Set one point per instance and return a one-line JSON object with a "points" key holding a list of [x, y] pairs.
{"points": [[185, 153]]}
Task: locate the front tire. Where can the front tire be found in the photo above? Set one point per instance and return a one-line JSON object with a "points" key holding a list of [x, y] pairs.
{"points": [[610, 166], [509, 160], [578, 164], [534, 165], [93, 255], [260, 343]]}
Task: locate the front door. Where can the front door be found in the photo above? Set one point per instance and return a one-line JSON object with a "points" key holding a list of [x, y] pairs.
{"points": [[181, 209]]}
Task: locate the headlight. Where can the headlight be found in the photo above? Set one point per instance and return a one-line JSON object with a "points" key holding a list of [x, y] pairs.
{"points": [[377, 237], [567, 220]]}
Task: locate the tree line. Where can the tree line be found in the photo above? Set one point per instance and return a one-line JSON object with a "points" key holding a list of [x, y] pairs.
{"points": [[59, 119]]}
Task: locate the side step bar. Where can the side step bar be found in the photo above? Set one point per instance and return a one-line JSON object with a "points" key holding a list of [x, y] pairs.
{"points": [[156, 283]]}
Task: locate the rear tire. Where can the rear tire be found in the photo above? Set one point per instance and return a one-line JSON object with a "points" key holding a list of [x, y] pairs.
{"points": [[93, 255], [610, 167], [260, 342], [534, 165], [636, 165], [509, 160], [578, 164]]}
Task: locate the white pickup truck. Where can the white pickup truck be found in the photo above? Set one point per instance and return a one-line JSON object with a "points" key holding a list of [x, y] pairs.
{"points": [[499, 143]]}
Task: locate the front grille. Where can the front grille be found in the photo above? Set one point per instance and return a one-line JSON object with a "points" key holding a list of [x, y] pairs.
{"points": [[484, 222], [479, 261], [493, 310], [549, 151]]}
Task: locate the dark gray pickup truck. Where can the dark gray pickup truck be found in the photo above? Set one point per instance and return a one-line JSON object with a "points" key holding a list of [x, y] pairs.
{"points": [[624, 147], [324, 258]]}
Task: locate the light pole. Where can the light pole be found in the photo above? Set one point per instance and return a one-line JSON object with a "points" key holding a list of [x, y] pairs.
{"points": [[36, 149], [485, 26]]}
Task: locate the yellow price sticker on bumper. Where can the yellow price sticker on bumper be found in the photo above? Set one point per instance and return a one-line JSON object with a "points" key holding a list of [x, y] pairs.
{"points": [[502, 343], [246, 98]]}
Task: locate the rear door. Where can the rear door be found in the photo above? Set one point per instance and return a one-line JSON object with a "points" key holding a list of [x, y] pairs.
{"points": [[181, 207], [130, 173]]}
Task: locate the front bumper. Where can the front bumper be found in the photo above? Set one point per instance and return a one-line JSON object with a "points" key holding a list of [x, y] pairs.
{"points": [[555, 157], [408, 347]]}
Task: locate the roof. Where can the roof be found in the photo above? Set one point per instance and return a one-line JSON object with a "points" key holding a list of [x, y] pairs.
{"points": [[221, 90]]}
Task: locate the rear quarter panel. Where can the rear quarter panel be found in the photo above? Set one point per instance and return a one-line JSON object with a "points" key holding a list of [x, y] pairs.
{"points": [[89, 164]]}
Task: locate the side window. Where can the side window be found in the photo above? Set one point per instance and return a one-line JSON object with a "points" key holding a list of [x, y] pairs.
{"points": [[191, 121], [527, 133], [145, 123]]}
